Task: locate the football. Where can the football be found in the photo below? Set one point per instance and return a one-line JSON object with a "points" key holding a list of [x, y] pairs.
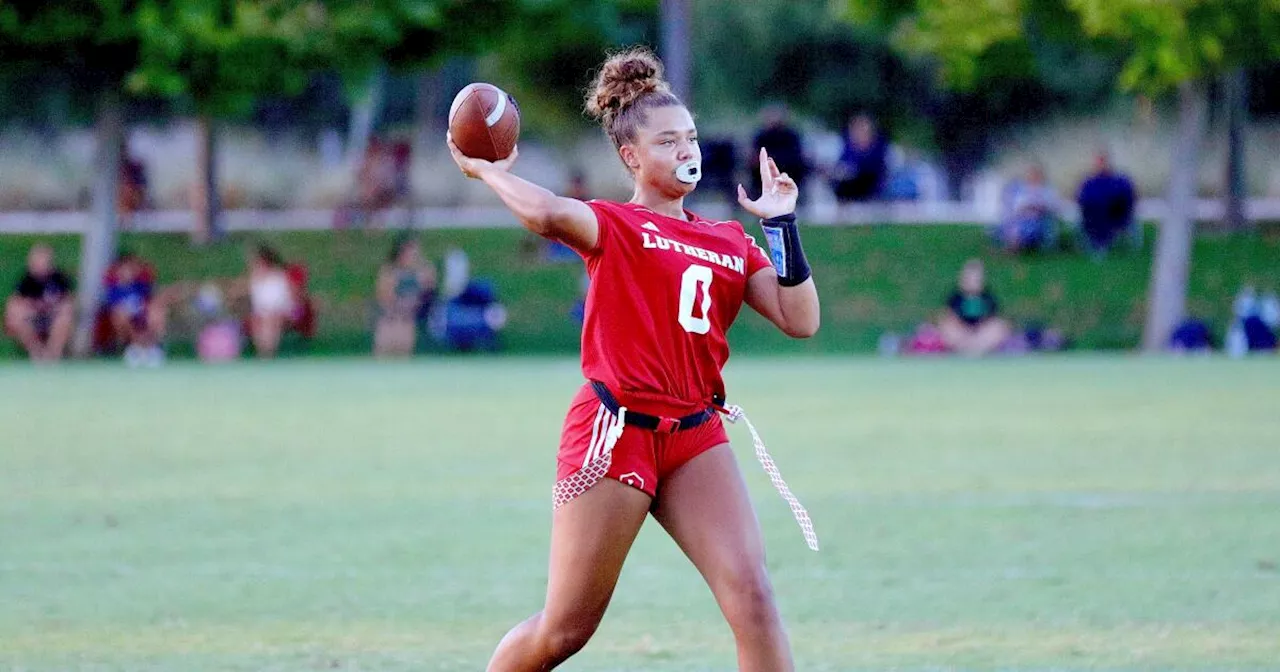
{"points": [[484, 122]]}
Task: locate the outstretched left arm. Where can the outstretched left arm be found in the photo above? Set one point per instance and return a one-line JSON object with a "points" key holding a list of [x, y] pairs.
{"points": [[793, 309], [790, 300]]}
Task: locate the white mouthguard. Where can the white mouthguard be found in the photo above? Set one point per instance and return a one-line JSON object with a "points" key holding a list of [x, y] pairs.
{"points": [[689, 172]]}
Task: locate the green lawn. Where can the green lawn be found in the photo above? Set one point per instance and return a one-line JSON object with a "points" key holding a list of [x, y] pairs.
{"points": [[872, 280], [1055, 514]]}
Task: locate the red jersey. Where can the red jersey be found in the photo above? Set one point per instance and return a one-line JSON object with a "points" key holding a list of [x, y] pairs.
{"points": [[662, 296]]}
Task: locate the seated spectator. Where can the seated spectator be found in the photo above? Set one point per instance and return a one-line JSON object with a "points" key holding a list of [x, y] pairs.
{"points": [[1031, 215], [784, 145], [135, 315], [859, 174], [469, 315], [405, 283], [970, 324], [40, 314], [272, 300], [1256, 319], [1107, 203], [1192, 336]]}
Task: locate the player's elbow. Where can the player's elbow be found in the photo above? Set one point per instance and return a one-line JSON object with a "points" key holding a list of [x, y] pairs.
{"points": [[543, 217], [538, 218], [805, 328]]}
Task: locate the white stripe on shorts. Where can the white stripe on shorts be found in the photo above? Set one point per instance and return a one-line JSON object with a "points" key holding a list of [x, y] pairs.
{"points": [[598, 450], [595, 434]]}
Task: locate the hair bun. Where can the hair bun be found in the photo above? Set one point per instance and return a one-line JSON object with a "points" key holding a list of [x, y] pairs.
{"points": [[623, 79]]}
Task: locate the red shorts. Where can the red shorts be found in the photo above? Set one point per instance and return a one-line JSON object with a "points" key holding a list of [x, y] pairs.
{"points": [[641, 458]]}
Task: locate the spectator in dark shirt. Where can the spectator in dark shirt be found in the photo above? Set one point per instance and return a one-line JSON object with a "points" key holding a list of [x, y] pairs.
{"points": [[971, 324], [859, 175], [784, 145], [41, 312], [1107, 203]]}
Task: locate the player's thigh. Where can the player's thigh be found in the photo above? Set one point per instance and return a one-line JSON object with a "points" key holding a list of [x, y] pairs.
{"points": [[590, 538], [705, 507]]}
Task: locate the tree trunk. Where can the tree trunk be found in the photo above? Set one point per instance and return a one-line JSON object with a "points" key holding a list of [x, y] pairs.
{"points": [[430, 91], [675, 48], [1235, 91], [1170, 269], [98, 242], [364, 116], [207, 202]]}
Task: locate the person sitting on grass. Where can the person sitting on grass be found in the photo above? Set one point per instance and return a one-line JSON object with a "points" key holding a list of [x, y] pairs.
{"points": [[1032, 214], [40, 314], [970, 324], [1107, 204], [136, 313], [405, 283], [272, 300]]}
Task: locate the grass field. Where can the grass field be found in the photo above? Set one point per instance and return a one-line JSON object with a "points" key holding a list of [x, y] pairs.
{"points": [[1056, 514]]}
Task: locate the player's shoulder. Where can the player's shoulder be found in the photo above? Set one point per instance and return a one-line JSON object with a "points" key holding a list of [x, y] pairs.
{"points": [[727, 225], [611, 207], [614, 214], [731, 229]]}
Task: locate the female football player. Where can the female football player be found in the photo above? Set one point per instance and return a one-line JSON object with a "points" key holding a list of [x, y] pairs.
{"points": [[643, 434]]}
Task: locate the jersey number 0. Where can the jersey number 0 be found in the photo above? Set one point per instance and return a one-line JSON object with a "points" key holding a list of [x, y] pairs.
{"points": [[695, 276]]}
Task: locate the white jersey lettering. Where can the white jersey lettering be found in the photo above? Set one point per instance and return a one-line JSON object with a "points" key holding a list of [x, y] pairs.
{"points": [[656, 242]]}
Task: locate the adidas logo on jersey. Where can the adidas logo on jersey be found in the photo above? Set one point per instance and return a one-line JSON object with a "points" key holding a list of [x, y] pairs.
{"points": [[652, 227]]}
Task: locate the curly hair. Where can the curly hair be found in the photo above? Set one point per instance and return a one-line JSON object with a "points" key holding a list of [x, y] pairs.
{"points": [[628, 85]]}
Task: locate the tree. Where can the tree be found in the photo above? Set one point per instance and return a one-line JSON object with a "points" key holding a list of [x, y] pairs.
{"points": [[790, 50], [94, 42], [675, 47], [222, 55], [1167, 45], [551, 48], [219, 56]]}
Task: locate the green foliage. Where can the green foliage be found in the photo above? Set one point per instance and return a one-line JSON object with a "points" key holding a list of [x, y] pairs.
{"points": [[551, 49], [1174, 41], [95, 39], [773, 51], [220, 54], [225, 54], [960, 33], [1162, 42]]}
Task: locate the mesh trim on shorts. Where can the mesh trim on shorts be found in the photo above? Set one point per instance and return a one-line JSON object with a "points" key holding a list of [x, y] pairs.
{"points": [[570, 487]]}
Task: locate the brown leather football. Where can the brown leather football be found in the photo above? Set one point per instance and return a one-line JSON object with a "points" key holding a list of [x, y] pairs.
{"points": [[484, 122]]}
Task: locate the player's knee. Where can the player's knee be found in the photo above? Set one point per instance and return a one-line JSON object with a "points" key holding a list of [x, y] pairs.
{"points": [[562, 640], [748, 600]]}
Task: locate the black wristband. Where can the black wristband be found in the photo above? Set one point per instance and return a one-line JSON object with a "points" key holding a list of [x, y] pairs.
{"points": [[783, 237]]}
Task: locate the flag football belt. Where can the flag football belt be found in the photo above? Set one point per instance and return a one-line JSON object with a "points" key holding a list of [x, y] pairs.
{"points": [[570, 487], [653, 423]]}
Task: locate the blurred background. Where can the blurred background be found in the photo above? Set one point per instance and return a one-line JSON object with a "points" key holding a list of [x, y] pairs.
{"points": [[231, 179]]}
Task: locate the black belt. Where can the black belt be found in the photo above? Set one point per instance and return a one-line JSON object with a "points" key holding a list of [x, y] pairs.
{"points": [[654, 423]]}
